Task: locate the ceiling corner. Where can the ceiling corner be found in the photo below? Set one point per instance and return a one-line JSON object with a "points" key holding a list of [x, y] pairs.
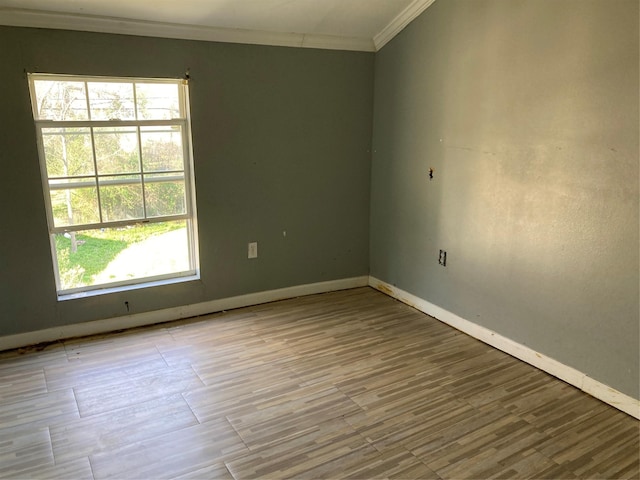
{"points": [[413, 10], [92, 23]]}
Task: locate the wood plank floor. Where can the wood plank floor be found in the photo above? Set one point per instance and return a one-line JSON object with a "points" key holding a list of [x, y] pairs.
{"points": [[349, 384]]}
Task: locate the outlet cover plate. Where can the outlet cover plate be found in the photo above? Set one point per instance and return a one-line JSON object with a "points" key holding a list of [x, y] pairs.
{"points": [[253, 250]]}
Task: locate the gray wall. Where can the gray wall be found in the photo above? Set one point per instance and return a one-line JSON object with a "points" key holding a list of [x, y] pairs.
{"points": [[528, 113], [526, 110], [282, 141]]}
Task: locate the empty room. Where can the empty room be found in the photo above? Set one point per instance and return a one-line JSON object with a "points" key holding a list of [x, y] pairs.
{"points": [[320, 239]]}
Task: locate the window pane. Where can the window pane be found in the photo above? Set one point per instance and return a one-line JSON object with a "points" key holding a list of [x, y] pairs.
{"points": [[74, 205], [59, 100], [117, 150], [164, 194], [67, 151], [121, 198], [103, 256], [162, 148], [111, 101], [113, 165], [157, 101]]}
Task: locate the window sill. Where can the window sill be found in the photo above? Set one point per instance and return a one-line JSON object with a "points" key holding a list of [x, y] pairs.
{"points": [[62, 297]]}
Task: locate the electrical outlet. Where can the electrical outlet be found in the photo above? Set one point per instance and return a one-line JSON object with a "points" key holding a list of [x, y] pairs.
{"points": [[253, 250], [442, 259]]}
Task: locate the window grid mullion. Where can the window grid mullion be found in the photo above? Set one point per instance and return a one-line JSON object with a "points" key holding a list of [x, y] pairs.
{"points": [[186, 148], [119, 223], [110, 123], [187, 173], [96, 177], [135, 100], [126, 174], [144, 194], [93, 151], [86, 98]]}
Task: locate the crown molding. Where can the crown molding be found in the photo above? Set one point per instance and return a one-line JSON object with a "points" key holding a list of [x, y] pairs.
{"points": [[413, 10], [92, 23], [334, 42]]}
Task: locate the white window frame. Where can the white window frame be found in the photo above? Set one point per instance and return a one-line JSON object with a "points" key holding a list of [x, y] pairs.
{"points": [[190, 217]]}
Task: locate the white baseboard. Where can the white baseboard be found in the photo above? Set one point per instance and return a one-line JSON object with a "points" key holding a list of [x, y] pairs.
{"points": [[568, 374], [168, 314]]}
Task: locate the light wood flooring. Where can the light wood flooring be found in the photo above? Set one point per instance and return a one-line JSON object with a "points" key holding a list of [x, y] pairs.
{"points": [[349, 384]]}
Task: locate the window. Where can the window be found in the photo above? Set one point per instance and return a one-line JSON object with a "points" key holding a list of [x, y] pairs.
{"points": [[115, 157]]}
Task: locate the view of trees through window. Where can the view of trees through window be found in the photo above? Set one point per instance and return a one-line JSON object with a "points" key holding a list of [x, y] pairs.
{"points": [[116, 178]]}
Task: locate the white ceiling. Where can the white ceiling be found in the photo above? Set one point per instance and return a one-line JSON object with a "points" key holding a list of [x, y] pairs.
{"points": [[337, 24]]}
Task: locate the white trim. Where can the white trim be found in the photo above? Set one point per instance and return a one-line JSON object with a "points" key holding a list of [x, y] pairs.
{"points": [[166, 315], [128, 285], [334, 42], [92, 23], [413, 10], [97, 178], [570, 375]]}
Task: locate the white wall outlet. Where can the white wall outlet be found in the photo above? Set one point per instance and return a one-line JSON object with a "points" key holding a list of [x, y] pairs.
{"points": [[253, 250]]}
